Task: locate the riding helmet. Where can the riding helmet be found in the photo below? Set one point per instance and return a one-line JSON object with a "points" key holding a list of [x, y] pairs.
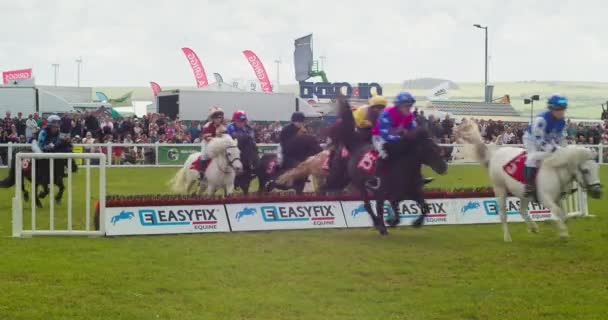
{"points": [[404, 98], [239, 115], [297, 117], [557, 102]]}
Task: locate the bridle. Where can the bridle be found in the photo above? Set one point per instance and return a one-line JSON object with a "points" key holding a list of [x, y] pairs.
{"points": [[585, 173], [230, 161]]}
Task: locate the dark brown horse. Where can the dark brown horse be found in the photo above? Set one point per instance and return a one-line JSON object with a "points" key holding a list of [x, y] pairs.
{"points": [[400, 177]]}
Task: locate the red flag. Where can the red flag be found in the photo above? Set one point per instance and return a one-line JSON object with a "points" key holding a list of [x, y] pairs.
{"points": [[8, 76], [259, 70], [197, 67], [155, 88]]}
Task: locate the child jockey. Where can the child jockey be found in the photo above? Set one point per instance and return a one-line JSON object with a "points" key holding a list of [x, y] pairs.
{"points": [[543, 136]]}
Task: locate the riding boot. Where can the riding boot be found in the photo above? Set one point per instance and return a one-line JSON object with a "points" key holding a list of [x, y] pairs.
{"points": [[427, 180], [203, 166], [530, 177]]}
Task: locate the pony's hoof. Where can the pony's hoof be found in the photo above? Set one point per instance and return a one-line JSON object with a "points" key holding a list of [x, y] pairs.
{"points": [[393, 222], [419, 222], [383, 231]]}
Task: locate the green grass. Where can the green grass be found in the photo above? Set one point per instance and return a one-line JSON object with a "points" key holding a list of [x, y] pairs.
{"points": [[439, 272]]}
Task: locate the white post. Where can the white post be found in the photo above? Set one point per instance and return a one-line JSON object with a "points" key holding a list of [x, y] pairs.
{"points": [[102, 199], [52, 195], [109, 153], [9, 154], [33, 194], [156, 153], [87, 192], [70, 194], [17, 215]]}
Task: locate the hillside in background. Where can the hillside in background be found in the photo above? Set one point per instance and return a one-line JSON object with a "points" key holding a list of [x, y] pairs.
{"points": [[585, 97]]}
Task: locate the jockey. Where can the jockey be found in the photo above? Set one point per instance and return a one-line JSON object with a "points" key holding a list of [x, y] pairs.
{"points": [[239, 125], [289, 132], [48, 138], [543, 136], [393, 123], [213, 128], [366, 116]]}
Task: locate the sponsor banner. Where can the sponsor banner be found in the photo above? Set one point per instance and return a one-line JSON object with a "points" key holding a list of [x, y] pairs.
{"points": [[197, 67], [155, 88], [440, 212], [16, 75], [267, 148], [259, 70], [166, 220], [485, 210], [285, 216], [176, 155]]}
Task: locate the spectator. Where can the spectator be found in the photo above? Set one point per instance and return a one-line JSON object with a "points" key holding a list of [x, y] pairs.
{"points": [[65, 125], [19, 122], [14, 135], [7, 123], [30, 125]]}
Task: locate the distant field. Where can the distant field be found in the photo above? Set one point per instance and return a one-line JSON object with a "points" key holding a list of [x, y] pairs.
{"points": [[585, 97]]}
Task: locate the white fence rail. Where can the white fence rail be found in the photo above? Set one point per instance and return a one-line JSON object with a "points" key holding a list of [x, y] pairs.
{"points": [[18, 213], [149, 154]]}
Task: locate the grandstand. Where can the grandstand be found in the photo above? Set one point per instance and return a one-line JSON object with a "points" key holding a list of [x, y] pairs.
{"points": [[477, 109]]}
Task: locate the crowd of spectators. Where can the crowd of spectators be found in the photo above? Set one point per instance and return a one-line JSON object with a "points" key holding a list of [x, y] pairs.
{"points": [[100, 127]]}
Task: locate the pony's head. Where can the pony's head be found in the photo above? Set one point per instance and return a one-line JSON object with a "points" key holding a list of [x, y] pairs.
{"points": [[228, 147], [581, 162], [419, 144]]}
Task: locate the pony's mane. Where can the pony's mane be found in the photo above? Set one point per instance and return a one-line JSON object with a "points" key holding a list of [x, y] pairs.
{"points": [[217, 145], [569, 155]]}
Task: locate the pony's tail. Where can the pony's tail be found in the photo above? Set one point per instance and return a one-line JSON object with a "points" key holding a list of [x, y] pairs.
{"points": [[468, 132], [311, 166], [178, 182]]}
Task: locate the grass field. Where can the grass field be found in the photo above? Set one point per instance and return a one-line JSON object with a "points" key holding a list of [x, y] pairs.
{"points": [[439, 272]]}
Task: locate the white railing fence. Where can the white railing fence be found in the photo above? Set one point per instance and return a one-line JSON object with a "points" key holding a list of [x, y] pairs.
{"points": [[20, 230], [174, 155]]}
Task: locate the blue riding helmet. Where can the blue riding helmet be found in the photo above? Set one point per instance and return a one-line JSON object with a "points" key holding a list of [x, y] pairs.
{"points": [[557, 102], [404, 98]]}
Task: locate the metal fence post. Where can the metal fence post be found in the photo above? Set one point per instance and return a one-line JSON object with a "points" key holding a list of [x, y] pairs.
{"points": [[156, 153], [9, 155], [109, 153]]}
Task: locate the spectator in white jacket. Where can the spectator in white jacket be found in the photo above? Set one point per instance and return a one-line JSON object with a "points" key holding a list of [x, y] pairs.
{"points": [[30, 124]]}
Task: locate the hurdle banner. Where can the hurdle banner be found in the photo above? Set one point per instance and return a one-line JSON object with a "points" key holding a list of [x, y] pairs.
{"points": [[285, 215], [166, 219], [439, 212]]}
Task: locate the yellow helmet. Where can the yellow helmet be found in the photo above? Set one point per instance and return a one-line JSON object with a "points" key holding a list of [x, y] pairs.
{"points": [[377, 100]]}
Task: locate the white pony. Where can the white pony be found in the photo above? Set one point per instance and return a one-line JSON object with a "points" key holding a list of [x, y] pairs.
{"points": [[225, 163], [554, 178]]}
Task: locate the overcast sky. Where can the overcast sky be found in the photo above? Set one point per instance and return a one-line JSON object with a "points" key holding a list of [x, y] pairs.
{"points": [[129, 43]]}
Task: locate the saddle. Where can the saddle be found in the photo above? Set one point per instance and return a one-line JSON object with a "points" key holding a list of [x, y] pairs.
{"points": [[515, 167], [196, 165]]}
